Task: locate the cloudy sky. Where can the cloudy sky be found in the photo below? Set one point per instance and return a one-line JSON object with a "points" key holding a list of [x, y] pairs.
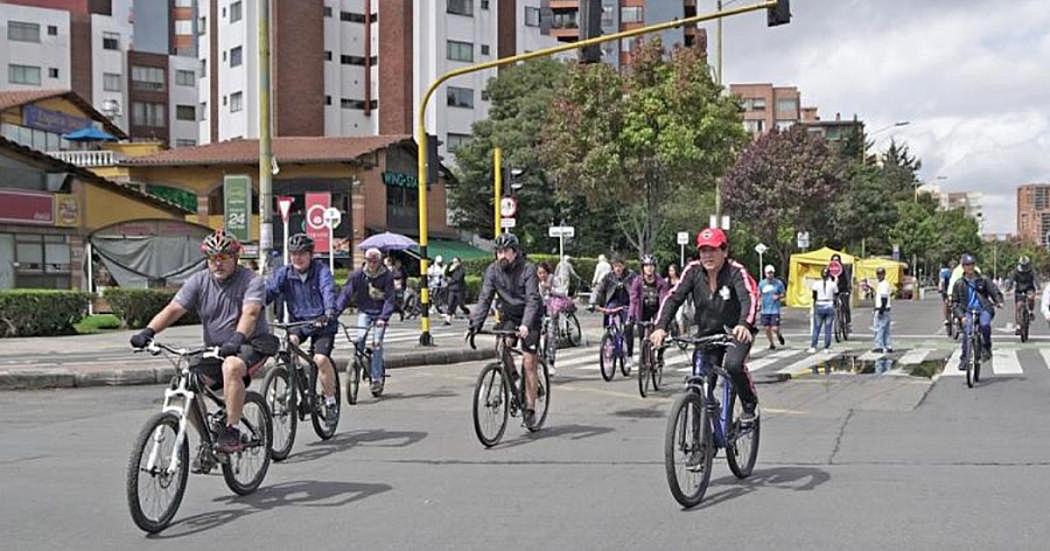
{"points": [[972, 77]]}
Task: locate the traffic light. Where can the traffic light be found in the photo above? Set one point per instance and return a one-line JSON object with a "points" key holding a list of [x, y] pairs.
{"points": [[779, 14], [590, 17]]}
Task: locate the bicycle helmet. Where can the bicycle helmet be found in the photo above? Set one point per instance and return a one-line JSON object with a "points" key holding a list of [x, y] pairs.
{"points": [[220, 242], [648, 260], [967, 259], [1024, 263], [300, 242], [507, 240]]}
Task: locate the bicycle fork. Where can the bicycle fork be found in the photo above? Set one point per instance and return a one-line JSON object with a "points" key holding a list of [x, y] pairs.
{"points": [[176, 401]]}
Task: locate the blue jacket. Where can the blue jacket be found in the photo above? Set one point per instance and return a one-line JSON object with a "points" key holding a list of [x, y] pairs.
{"points": [[371, 295], [308, 299]]}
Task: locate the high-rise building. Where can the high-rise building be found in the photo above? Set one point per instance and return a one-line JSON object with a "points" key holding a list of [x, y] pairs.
{"points": [[1033, 213]]}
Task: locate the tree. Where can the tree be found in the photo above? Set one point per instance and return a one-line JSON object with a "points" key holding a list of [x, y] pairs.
{"points": [[643, 141], [783, 183]]}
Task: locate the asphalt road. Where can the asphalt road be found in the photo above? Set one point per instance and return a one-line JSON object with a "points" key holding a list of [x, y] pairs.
{"points": [[847, 461]]}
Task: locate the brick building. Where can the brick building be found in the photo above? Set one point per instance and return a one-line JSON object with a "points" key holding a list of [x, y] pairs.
{"points": [[1033, 213]]}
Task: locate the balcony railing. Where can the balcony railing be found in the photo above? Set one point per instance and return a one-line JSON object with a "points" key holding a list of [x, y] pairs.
{"points": [[102, 157]]}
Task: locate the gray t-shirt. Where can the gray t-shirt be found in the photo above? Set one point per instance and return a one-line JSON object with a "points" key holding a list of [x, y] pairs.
{"points": [[219, 304]]}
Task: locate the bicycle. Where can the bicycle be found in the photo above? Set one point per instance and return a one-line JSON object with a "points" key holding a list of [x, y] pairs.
{"points": [[651, 364], [361, 369], [841, 323], [1026, 318], [973, 363], [613, 347], [567, 331], [160, 459], [501, 385], [700, 424], [293, 391]]}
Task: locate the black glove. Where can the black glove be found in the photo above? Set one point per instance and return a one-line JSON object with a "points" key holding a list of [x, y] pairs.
{"points": [[232, 347], [322, 321], [142, 338]]}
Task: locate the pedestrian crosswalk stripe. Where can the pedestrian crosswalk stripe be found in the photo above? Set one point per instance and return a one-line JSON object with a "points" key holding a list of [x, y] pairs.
{"points": [[1005, 362], [810, 361], [768, 359], [1045, 353], [870, 356], [951, 369], [916, 356]]}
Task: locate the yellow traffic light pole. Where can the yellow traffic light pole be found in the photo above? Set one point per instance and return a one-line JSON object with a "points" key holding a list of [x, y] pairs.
{"points": [[421, 131]]}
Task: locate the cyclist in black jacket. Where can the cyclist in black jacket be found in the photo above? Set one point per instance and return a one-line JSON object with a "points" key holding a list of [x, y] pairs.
{"points": [[725, 295]]}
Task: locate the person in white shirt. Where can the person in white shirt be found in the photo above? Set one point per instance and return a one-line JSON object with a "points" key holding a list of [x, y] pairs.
{"points": [[601, 269], [882, 313], [1046, 303], [824, 292]]}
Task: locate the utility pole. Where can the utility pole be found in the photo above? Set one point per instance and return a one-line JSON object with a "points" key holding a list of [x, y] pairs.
{"points": [[718, 181], [265, 153]]}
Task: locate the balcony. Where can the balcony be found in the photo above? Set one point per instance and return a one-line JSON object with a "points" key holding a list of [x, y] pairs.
{"points": [[101, 157]]}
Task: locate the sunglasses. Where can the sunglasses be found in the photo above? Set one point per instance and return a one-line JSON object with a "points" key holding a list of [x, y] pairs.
{"points": [[217, 258]]}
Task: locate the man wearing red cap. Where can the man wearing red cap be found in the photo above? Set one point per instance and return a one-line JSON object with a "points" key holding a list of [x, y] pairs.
{"points": [[725, 295]]}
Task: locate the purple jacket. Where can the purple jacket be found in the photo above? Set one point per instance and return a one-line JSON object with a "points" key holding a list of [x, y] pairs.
{"points": [[635, 310], [371, 295]]}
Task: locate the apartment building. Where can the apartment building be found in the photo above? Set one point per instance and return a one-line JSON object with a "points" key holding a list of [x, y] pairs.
{"points": [[767, 107], [1033, 213]]}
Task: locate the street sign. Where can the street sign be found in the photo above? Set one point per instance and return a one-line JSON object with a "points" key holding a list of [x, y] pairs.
{"points": [[237, 199], [725, 222], [507, 223], [761, 249], [284, 204], [683, 238], [508, 207], [897, 252], [332, 217], [803, 239], [713, 222], [316, 227], [561, 231]]}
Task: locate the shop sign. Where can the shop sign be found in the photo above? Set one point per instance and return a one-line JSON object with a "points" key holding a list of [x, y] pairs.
{"points": [[51, 121], [400, 179], [237, 193], [27, 207]]}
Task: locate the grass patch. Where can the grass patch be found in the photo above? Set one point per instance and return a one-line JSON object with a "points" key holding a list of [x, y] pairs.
{"points": [[96, 323]]}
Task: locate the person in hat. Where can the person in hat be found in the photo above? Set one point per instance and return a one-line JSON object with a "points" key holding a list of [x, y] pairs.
{"points": [[975, 292], [883, 290], [773, 291]]}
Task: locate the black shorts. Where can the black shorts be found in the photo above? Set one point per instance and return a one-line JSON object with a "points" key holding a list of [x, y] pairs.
{"points": [[320, 342], [531, 343], [1020, 296], [211, 368]]}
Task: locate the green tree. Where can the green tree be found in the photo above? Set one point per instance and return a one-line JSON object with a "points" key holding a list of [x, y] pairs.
{"points": [[640, 142]]}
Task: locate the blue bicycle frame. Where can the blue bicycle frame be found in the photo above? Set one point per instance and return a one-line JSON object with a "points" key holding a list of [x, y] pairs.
{"points": [[705, 376], [615, 325]]}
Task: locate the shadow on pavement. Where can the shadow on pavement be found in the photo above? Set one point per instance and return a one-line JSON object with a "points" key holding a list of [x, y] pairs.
{"points": [[378, 438], [443, 392], [573, 432], [308, 493], [798, 479], [654, 411]]}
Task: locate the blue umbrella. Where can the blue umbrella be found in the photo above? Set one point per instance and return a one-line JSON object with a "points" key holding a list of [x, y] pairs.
{"points": [[387, 242], [89, 134]]}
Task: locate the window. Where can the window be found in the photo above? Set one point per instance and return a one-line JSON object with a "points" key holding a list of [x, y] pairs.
{"points": [[784, 125], [185, 77], [52, 30], [328, 55], [112, 82], [202, 25], [204, 68], [185, 113], [235, 56], [184, 142], [235, 102], [328, 11], [148, 114], [460, 51], [484, 4], [454, 141], [757, 104], [532, 17], [607, 16], [632, 14], [484, 95], [23, 32], [328, 100], [23, 74], [484, 49], [52, 72], [562, 20], [235, 12], [754, 126], [461, 7], [110, 41], [183, 3], [787, 106], [460, 97], [353, 17], [184, 26], [150, 79]]}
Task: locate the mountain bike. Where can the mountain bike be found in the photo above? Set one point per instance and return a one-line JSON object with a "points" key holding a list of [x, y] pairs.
{"points": [[293, 391], [841, 323], [500, 390], [566, 330], [1026, 318], [613, 349], [700, 424], [361, 368], [160, 458], [973, 363], [651, 363]]}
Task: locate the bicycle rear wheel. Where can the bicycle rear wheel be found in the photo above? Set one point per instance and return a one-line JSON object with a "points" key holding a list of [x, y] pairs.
{"points": [[354, 380], [319, 413], [282, 400], [607, 357], [154, 494], [644, 368], [543, 396], [245, 470], [742, 444], [972, 363], [491, 400], [688, 449], [574, 335]]}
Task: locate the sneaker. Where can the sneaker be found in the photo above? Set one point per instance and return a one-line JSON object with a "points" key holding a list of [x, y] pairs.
{"points": [[529, 417], [377, 388], [811, 350], [780, 338], [1017, 331], [889, 351], [771, 347], [748, 418], [827, 350], [331, 412], [628, 363], [986, 354], [229, 441]]}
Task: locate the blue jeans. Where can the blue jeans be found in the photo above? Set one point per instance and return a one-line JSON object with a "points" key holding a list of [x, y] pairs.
{"points": [[365, 320], [985, 321], [822, 315], [882, 330]]}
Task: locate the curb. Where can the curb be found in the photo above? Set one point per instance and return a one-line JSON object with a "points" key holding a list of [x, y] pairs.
{"points": [[61, 377]]}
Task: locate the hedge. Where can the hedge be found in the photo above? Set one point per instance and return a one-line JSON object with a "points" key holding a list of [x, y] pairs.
{"points": [[137, 306], [40, 312]]}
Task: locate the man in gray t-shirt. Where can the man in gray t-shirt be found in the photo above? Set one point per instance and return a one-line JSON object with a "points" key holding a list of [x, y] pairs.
{"points": [[229, 300]]}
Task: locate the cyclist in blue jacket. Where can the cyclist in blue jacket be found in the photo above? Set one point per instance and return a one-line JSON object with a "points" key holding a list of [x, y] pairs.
{"points": [[308, 290]]}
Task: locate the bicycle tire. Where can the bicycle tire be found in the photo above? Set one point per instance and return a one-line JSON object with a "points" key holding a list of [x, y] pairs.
{"points": [[702, 444], [575, 334], [644, 367], [972, 362], [1025, 324], [622, 359], [353, 383], [543, 396], [317, 413], [607, 362], [148, 524], [286, 411], [231, 469], [741, 469], [490, 377], [657, 372]]}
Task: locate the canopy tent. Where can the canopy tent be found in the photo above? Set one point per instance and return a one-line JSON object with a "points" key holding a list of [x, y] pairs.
{"points": [[865, 271], [150, 253], [805, 268]]}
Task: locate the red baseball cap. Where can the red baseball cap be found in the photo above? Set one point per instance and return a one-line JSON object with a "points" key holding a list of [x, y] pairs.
{"points": [[711, 237]]}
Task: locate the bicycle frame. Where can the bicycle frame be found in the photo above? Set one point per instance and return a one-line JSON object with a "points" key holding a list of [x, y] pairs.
{"points": [[704, 379], [615, 328]]}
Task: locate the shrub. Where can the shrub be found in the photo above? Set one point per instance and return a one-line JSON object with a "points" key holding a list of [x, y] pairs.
{"points": [[137, 306], [40, 312]]}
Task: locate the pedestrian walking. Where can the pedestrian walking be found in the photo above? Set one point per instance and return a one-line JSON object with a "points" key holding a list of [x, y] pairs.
{"points": [[772, 294], [824, 292], [882, 312], [457, 290], [601, 269]]}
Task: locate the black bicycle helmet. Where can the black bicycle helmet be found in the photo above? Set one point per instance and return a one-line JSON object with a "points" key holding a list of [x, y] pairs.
{"points": [[507, 240], [648, 260], [220, 242], [300, 242]]}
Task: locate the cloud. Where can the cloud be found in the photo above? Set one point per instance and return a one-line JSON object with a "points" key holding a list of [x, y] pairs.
{"points": [[969, 76]]}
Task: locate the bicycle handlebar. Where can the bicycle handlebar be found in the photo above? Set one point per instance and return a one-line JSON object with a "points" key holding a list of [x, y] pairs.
{"points": [[155, 348], [497, 332], [296, 324], [709, 341]]}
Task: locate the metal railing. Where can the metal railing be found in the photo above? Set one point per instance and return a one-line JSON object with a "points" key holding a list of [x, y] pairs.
{"points": [[101, 157]]}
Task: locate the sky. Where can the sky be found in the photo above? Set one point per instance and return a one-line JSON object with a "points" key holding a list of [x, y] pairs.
{"points": [[971, 77]]}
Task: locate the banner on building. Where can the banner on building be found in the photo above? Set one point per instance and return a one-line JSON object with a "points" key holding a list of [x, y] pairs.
{"points": [[26, 207], [316, 205], [67, 210], [237, 194]]}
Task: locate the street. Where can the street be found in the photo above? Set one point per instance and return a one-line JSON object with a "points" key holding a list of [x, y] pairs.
{"points": [[846, 461]]}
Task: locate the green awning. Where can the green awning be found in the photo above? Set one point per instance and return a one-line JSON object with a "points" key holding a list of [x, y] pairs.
{"points": [[448, 249]]}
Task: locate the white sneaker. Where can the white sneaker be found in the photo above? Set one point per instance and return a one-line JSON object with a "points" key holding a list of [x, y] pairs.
{"points": [[628, 363], [811, 350], [827, 350]]}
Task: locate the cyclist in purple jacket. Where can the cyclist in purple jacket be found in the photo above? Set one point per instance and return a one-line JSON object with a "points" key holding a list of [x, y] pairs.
{"points": [[371, 289]]}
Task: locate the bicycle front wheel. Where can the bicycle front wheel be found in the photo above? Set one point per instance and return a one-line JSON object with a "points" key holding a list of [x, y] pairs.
{"points": [[607, 357], [644, 369], [574, 335], [281, 398], [245, 470], [658, 370], [491, 399], [543, 396], [742, 443], [154, 493], [972, 364], [354, 380], [688, 449], [319, 413]]}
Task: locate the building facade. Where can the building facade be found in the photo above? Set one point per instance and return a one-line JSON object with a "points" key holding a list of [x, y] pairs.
{"points": [[767, 107], [1033, 213]]}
